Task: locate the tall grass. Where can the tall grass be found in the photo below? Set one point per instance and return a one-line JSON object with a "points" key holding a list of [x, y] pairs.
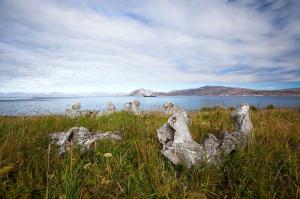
{"points": [[30, 168]]}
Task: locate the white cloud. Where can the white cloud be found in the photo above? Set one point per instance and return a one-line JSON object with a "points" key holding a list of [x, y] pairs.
{"points": [[92, 45]]}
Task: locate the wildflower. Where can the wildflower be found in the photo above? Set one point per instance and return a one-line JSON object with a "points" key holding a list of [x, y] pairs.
{"points": [[6, 170], [107, 155], [87, 166]]}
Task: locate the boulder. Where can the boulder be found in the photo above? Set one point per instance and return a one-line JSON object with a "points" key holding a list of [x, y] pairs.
{"points": [[111, 107], [73, 110], [242, 119], [89, 113], [180, 148], [81, 137], [133, 107], [171, 108]]}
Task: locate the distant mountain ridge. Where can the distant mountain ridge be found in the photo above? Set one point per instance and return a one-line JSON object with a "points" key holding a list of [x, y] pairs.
{"points": [[201, 91], [142, 92], [222, 91]]}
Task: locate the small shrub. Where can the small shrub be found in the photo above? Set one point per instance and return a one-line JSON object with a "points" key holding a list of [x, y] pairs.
{"points": [[270, 107], [213, 108], [253, 108], [231, 108]]}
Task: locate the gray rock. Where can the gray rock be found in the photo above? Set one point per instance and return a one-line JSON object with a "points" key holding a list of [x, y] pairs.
{"points": [[80, 136], [171, 108], [127, 106], [111, 108], [89, 113], [179, 147], [73, 110], [211, 148], [242, 119], [230, 141], [133, 107], [177, 142]]}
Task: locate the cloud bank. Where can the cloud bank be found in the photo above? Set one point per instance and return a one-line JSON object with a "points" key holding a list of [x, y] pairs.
{"points": [[77, 46]]}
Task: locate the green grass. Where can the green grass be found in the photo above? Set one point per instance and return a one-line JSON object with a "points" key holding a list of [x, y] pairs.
{"points": [[31, 168]]}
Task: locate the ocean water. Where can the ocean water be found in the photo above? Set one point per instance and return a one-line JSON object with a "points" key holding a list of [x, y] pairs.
{"points": [[15, 106]]}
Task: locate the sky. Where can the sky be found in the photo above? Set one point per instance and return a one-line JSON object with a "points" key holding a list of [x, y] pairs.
{"points": [[118, 46]]}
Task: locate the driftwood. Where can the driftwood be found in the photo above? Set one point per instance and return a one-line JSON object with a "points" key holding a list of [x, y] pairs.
{"points": [[80, 136], [180, 148]]}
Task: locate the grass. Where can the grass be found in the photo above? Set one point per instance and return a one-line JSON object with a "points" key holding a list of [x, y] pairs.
{"points": [[31, 168]]}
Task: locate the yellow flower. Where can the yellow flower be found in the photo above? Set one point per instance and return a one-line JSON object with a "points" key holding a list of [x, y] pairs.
{"points": [[87, 166], [107, 155], [5, 170]]}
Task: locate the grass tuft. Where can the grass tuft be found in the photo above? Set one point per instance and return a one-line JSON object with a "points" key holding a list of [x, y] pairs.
{"points": [[134, 168]]}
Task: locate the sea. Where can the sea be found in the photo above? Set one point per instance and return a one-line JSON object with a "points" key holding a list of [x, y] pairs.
{"points": [[37, 106]]}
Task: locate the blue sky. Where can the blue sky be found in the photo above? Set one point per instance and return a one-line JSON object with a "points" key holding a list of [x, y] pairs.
{"points": [[118, 46]]}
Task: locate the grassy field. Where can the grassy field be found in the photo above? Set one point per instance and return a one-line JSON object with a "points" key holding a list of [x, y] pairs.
{"points": [[32, 168]]}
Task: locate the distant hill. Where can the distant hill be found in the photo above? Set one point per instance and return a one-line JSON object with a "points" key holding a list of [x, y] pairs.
{"points": [[142, 92], [222, 91], [202, 91], [216, 91]]}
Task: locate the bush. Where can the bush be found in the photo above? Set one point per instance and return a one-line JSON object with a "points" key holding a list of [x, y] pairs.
{"points": [[213, 108], [231, 108], [270, 107], [253, 108]]}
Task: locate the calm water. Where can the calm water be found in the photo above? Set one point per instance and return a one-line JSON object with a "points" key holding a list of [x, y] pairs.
{"points": [[15, 106]]}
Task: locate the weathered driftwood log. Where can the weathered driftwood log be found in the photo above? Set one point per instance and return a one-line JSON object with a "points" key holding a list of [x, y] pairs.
{"points": [[179, 147], [133, 107], [80, 136], [171, 108]]}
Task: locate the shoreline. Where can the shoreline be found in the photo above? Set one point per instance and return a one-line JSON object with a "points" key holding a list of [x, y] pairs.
{"points": [[203, 109]]}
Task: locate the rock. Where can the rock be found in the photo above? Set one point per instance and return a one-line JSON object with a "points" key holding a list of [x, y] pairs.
{"points": [[80, 136], [100, 113], [89, 113], [177, 142], [211, 148], [180, 148], [171, 108], [127, 106], [230, 141], [73, 110], [111, 108], [135, 104], [133, 107], [75, 106], [242, 119]]}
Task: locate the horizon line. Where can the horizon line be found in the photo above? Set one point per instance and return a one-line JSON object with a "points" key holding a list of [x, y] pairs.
{"points": [[121, 93]]}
